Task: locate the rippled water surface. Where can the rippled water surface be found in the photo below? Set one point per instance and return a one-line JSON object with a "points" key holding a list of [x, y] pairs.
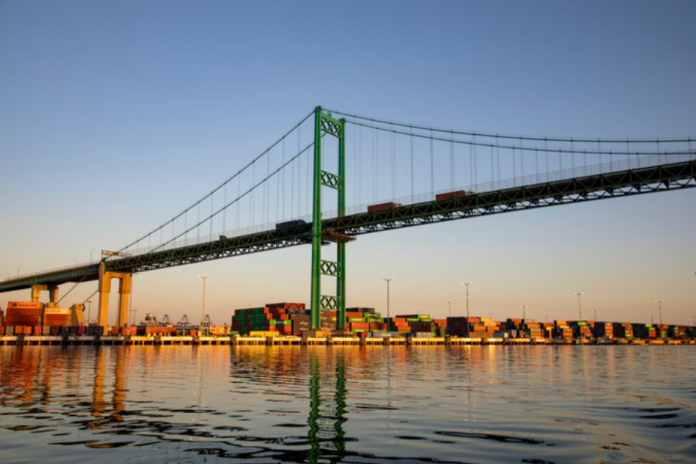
{"points": [[477, 404]]}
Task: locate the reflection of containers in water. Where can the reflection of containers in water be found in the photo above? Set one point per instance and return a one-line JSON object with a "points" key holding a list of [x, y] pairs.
{"points": [[382, 207]]}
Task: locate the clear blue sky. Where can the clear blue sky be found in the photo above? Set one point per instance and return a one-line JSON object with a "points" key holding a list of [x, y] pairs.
{"points": [[115, 115]]}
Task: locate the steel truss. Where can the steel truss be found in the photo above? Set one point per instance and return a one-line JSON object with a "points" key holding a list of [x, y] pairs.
{"points": [[613, 185]]}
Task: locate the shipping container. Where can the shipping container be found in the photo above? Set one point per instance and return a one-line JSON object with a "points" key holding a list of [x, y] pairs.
{"points": [[450, 195], [382, 207], [23, 313]]}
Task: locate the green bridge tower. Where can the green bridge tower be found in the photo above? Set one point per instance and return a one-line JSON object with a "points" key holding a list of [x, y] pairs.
{"points": [[325, 124]]}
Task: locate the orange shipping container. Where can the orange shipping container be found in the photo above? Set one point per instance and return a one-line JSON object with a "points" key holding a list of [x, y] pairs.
{"points": [[23, 316]]}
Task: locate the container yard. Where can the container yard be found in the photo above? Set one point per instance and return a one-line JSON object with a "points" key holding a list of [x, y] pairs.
{"points": [[27, 323]]}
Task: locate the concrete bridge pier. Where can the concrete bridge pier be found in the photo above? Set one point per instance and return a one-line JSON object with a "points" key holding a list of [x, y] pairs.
{"points": [[38, 288], [124, 293]]}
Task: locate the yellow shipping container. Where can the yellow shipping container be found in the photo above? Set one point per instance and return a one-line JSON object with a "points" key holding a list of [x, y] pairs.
{"points": [[263, 333]]}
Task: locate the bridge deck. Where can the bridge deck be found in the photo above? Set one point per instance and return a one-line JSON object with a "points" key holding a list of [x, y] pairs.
{"points": [[612, 185]]}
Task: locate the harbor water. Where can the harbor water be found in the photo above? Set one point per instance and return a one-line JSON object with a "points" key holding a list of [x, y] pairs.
{"points": [[265, 404]]}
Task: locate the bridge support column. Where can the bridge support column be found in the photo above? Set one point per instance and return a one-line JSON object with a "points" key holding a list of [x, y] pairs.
{"points": [[325, 124], [124, 293], [38, 288], [53, 293], [36, 292]]}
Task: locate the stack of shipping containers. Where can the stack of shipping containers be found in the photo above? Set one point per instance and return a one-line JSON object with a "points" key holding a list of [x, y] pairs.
{"points": [[270, 320], [413, 323], [458, 326], [362, 321]]}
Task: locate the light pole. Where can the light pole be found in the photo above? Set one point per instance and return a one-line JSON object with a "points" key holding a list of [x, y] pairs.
{"points": [[579, 294], [466, 284], [90, 254], [18, 268], [133, 312], [594, 312], [652, 322], [449, 308], [659, 306], [524, 312], [204, 277], [388, 281], [468, 325]]}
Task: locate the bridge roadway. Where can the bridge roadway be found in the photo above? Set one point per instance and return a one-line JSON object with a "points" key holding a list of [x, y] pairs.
{"points": [[612, 185]]}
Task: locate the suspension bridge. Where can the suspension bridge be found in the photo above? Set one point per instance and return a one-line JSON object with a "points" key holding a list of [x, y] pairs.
{"points": [[334, 176]]}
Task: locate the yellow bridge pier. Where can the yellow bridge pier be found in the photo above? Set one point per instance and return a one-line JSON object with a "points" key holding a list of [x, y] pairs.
{"points": [[36, 290], [124, 293]]}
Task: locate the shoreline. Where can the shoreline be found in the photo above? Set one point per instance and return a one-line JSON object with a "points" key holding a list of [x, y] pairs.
{"points": [[236, 340]]}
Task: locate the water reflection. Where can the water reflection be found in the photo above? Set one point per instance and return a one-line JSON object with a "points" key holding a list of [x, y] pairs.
{"points": [[348, 404], [326, 418], [118, 392]]}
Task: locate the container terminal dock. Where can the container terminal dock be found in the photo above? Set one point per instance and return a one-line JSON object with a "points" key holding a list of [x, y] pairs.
{"points": [[34, 323]]}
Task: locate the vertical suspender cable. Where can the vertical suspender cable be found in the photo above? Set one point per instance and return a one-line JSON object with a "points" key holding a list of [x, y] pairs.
{"points": [[490, 156], [536, 165], [212, 197], [560, 160], [292, 188], [584, 160], [432, 164], [308, 180], [267, 193], [546, 154], [452, 170], [377, 160], [497, 159], [282, 185], [522, 153], [358, 156], [224, 213], [298, 163], [413, 183], [237, 206], [471, 167], [252, 212], [475, 162], [374, 166], [393, 165]]}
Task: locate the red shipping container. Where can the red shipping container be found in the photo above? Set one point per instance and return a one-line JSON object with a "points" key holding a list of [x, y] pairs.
{"points": [[382, 207], [450, 195]]}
